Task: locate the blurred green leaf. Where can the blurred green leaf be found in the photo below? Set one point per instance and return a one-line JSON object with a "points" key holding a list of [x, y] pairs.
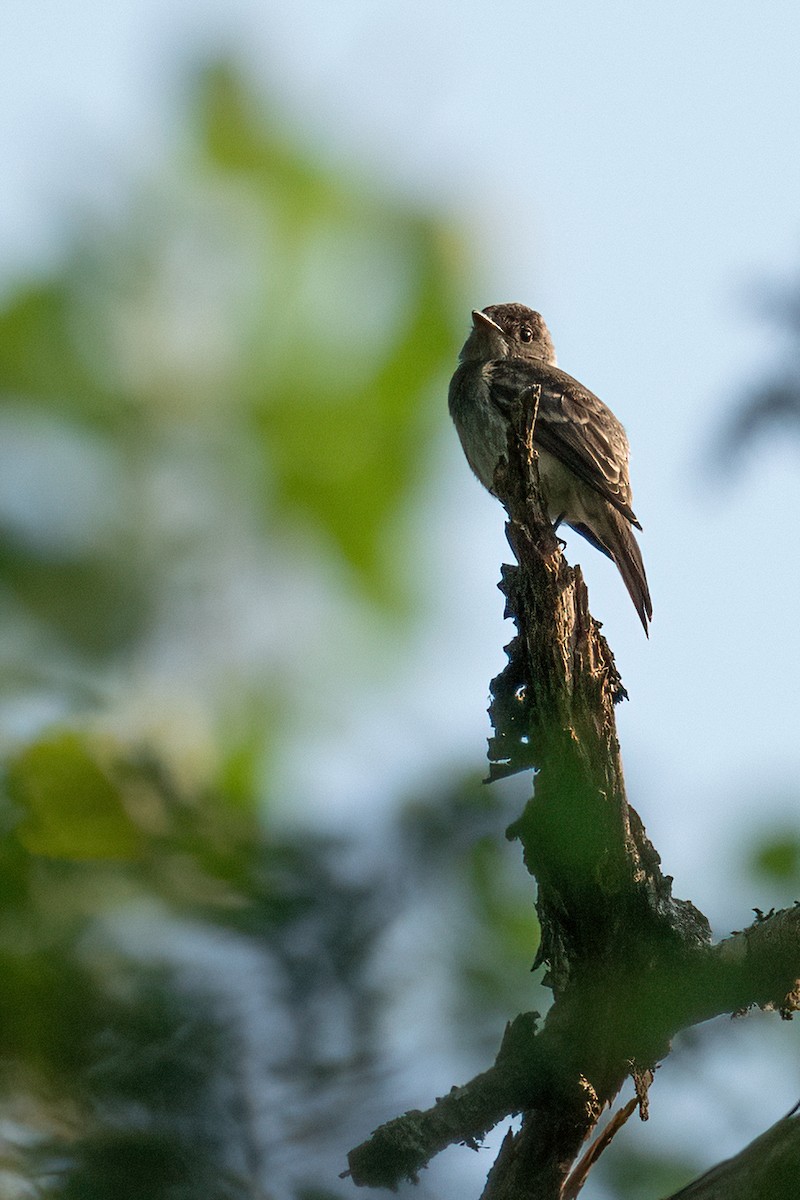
{"points": [[38, 352], [777, 858], [349, 463], [49, 1010], [99, 605], [264, 326], [72, 808], [139, 1165], [343, 406], [503, 900]]}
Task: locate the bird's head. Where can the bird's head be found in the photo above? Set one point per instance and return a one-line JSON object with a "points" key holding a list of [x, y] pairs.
{"points": [[508, 331]]}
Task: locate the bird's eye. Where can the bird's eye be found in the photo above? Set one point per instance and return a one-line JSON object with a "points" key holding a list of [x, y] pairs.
{"points": [[525, 333]]}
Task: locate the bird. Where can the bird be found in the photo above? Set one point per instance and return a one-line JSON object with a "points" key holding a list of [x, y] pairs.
{"points": [[508, 359]]}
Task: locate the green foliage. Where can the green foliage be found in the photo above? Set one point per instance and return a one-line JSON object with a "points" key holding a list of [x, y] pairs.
{"points": [[337, 398], [127, 1051], [507, 910], [41, 359], [775, 859], [72, 808], [143, 1166], [147, 1059], [246, 360], [321, 331]]}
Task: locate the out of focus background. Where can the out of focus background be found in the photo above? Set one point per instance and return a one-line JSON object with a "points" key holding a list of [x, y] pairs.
{"points": [[255, 899]]}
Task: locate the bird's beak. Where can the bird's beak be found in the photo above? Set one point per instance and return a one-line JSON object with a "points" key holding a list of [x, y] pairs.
{"points": [[487, 340], [484, 323]]}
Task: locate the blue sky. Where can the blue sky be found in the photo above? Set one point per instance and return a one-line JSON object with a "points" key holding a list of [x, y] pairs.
{"points": [[633, 172]]}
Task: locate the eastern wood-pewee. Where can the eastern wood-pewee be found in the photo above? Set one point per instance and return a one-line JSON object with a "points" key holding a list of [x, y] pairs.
{"points": [[582, 448]]}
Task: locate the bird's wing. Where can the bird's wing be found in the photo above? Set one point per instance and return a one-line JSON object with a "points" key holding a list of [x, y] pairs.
{"points": [[572, 424]]}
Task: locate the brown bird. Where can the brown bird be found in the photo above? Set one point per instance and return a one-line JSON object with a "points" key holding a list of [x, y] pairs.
{"points": [[582, 447]]}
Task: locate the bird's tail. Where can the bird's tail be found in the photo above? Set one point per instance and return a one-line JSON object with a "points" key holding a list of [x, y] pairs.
{"points": [[614, 536]]}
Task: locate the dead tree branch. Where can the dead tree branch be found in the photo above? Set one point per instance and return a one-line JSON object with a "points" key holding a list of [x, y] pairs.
{"points": [[628, 964]]}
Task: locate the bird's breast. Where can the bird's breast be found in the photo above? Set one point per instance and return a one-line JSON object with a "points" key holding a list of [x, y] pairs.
{"points": [[482, 428]]}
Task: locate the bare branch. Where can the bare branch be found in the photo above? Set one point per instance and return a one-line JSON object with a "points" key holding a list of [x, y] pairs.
{"points": [[629, 965]]}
